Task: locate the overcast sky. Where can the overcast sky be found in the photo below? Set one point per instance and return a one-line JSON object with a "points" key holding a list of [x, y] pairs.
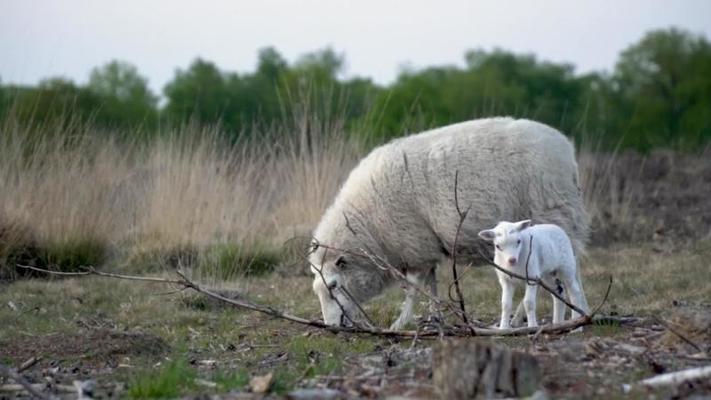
{"points": [[67, 38]]}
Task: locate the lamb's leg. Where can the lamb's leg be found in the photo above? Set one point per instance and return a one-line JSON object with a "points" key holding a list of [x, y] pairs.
{"points": [[558, 310], [559, 307], [407, 306], [507, 292], [529, 303], [517, 319], [575, 292]]}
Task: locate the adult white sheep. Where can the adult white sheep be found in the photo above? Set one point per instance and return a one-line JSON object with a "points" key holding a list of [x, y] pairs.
{"points": [[538, 252], [398, 204]]}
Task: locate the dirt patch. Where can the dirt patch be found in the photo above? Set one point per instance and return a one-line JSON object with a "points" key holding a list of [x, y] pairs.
{"points": [[92, 348]]}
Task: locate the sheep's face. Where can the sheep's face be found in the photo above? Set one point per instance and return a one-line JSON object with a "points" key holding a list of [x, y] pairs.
{"points": [[507, 240], [329, 283], [342, 280]]}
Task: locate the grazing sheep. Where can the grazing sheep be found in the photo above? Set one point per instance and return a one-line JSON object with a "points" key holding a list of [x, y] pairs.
{"points": [[398, 205], [551, 259]]}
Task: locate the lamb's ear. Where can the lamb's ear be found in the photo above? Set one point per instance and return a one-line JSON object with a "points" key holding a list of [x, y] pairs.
{"points": [[521, 225], [341, 261], [488, 235]]}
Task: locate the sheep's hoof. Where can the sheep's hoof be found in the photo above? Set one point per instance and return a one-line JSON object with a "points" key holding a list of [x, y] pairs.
{"points": [[397, 325]]}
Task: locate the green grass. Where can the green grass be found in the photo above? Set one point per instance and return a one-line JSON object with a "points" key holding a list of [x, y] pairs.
{"points": [[170, 381], [69, 255], [233, 380], [605, 328], [228, 261]]}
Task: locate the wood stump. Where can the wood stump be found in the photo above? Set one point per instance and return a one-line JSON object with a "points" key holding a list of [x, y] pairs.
{"points": [[468, 368]]}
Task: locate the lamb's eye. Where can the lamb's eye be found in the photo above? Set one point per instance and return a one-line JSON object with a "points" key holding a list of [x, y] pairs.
{"points": [[498, 247], [519, 241]]}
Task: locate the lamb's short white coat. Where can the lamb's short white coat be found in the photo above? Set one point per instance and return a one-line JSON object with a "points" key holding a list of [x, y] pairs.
{"points": [[540, 251], [398, 204]]}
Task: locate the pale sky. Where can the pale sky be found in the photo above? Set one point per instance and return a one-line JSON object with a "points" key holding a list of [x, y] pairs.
{"points": [[43, 38]]}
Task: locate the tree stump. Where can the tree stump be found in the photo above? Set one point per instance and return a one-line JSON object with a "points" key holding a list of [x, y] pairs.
{"points": [[465, 369]]}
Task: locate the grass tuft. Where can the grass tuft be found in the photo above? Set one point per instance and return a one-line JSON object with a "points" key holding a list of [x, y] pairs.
{"points": [[172, 380], [225, 261]]}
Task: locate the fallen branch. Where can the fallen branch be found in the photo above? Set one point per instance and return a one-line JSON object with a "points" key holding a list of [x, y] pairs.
{"points": [[565, 326], [671, 379], [22, 384]]}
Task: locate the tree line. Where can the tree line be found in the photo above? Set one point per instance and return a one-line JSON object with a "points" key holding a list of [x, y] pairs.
{"points": [[657, 95]]}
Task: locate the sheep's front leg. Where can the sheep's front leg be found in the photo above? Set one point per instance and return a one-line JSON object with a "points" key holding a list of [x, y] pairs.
{"points": [[435, 312], [408, 304], [529, 303], [507, 292]]}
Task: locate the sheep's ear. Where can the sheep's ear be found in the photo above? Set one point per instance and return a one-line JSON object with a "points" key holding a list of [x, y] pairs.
{"points": [[521, 225], [488, 235], [341, 261]]}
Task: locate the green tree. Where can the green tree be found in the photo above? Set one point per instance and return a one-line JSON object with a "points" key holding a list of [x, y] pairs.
{"points": [[125, 96], [198, 94], [54, 100], [665, 84]]}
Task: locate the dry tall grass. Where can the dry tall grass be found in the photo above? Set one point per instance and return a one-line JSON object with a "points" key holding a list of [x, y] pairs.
{"points": [[70, 195], [187, 189]]}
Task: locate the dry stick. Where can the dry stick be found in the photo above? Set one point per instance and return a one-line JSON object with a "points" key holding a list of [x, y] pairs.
{"points": [[562, 327], [91, 271], [28, 363], [455, 278], [9, 373], [681, 336], [671, 378]]}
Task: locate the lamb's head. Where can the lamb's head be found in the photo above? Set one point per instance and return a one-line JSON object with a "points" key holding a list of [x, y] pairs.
{"points": [[508, 241], [340, 280]]}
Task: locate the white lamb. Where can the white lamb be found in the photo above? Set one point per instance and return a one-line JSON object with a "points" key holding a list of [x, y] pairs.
{"points": [[552, 259]]}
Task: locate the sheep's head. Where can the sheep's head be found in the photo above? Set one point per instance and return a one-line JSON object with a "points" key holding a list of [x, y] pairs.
{"points": [[507, 240], [340, 280]]}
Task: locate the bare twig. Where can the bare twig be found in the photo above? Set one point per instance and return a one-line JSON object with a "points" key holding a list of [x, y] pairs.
{"points": [[28, 363], [676, 332], [11, 374], [91, 271], [455, 278]]}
